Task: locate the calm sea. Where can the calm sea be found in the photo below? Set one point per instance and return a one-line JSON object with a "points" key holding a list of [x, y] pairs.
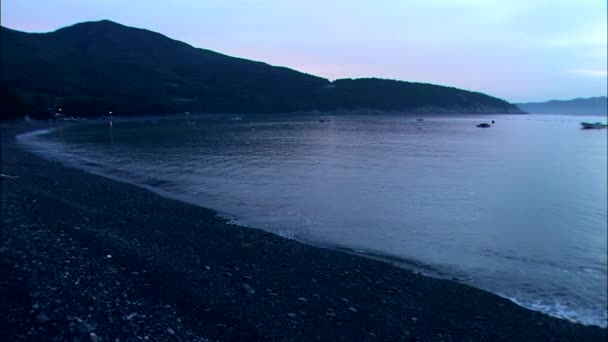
{"points": [[518, 209]]}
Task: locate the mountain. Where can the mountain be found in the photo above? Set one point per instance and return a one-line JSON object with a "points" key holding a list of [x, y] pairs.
{"points": [[580, 106], [94, 67]]}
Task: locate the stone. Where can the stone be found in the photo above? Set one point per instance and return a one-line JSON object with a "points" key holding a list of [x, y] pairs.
{"points": [[248, 289], [42, 318]]}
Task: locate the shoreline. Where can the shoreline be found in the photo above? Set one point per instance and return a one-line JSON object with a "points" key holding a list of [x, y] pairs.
{"points": [[231, 219], [411, 264], [82, 253]]}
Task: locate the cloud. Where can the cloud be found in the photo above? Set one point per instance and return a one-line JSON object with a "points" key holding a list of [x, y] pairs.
{"points": [[590, 72]]}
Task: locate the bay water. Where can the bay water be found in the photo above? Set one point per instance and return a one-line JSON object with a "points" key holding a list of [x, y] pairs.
{"points": [[518, 209]]}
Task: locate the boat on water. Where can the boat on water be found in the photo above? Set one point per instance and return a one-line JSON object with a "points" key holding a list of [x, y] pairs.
{"points": [[594, 125], [483, 125]]}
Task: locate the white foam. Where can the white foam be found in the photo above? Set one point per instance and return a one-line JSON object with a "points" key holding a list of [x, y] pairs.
{"points": [[286, 234], [591, 316]]}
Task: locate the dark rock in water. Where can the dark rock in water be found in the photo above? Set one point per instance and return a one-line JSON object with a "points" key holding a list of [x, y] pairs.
{"points": [[483, 125]]}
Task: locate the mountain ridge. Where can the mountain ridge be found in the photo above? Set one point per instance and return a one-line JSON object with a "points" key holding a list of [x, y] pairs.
{"points": [[597, 105], [94, 67]]}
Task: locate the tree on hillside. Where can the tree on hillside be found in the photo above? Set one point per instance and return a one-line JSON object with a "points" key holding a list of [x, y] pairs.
{"points": [[11, 105]]}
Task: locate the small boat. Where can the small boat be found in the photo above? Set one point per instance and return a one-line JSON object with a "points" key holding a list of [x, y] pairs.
{"points": [[419, 119], [483, 125], [595, 125]]}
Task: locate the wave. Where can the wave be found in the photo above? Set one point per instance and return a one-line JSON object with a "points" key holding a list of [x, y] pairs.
{"points": [[559, 309]]}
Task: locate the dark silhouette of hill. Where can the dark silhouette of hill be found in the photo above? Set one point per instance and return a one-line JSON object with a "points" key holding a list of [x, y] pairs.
{"points": [[94, 67], [580, 106]]}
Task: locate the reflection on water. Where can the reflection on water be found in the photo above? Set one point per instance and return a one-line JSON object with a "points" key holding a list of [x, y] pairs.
{"points": [[519, 208]]}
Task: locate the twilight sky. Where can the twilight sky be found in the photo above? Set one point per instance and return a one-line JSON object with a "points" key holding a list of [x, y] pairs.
{"points": [[519, 50]]}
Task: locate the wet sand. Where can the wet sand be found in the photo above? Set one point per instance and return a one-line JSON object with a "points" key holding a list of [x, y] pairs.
{"points": [[86, 258]]}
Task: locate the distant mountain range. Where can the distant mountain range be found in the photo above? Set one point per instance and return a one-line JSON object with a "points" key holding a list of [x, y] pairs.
{"points": [[580, 106], [95, 67]]}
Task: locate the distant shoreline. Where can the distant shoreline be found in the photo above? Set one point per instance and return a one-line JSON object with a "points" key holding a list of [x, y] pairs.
{"points": [[320, 114], [592, 106], [185, 273]]}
